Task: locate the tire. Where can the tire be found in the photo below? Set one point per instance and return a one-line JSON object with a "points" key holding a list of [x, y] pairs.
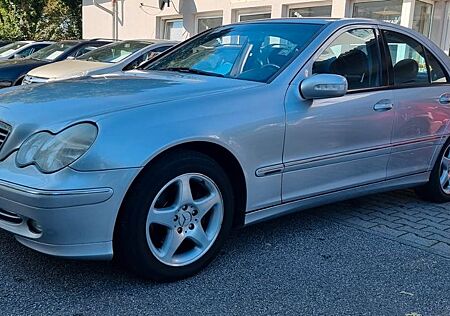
{"points": [[143, 240], [434, 190]]}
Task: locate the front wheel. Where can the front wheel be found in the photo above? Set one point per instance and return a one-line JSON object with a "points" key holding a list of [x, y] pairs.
{"points": [[438, 187], [176, 217]]}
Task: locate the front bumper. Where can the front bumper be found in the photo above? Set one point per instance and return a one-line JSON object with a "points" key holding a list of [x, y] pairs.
{"points": [[69, 214]]}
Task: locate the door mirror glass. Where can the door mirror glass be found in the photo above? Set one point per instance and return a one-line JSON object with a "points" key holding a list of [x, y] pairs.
{"points": [[323, 86]]}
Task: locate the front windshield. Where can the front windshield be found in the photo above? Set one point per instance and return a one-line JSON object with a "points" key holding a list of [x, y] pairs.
{"points": [[254, 52], [52, 52], [114, 53], [7, 50]]}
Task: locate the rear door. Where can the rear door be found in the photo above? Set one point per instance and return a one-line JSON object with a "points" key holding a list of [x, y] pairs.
{"points": [[421, 101]]}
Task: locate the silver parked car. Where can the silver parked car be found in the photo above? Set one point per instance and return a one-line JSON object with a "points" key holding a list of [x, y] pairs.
{"points": [[21, 49], [240, 124], [120, 56]]}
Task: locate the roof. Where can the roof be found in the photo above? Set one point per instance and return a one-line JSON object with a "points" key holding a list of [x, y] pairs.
{"points": [[337, 22], [292, 20], [317, 21]]}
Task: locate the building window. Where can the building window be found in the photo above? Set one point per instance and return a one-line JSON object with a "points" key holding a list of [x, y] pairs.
{"points": [[174, 30], [254, 16], [386, 10], [204, 24], [308, 12], [422, 17]]}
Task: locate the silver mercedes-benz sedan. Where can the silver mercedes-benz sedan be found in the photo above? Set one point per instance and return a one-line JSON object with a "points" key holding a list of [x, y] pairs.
{"points": [[240, 124]]}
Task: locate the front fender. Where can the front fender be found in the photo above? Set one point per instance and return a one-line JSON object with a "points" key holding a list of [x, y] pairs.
{"points": [[249, 125]]}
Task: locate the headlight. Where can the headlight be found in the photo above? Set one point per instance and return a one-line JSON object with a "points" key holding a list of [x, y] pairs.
{"points": [[51, 153]]}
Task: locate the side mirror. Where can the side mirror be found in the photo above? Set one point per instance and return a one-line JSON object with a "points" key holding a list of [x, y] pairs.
{"points": [[323, 86], [17, 56], [71, 58]]}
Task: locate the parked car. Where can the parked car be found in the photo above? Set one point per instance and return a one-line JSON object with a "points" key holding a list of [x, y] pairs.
{"points": [[13, 72], [120, 56], [3, 43], [156, 166], [21, 49]]}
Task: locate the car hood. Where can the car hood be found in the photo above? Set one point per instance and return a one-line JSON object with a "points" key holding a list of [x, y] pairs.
{"points": [[25, 62], [66, 69], [55, 105]]}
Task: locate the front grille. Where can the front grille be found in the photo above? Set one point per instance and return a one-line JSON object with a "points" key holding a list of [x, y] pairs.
{"points": [[5, 130]]}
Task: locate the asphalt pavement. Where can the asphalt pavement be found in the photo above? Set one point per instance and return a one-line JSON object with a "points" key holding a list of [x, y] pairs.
{"points": [[301, 264]]}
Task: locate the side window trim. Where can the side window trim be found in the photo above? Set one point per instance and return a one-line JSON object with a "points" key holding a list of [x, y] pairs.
{"points": [[427, 64], [384, 80], [386, 59]]}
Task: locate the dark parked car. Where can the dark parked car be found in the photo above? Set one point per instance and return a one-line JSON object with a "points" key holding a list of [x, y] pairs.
{"points": [[12, 72]]}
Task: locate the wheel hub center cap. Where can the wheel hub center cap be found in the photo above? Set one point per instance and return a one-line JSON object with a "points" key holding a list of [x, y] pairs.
{"points": [[184, 218]]}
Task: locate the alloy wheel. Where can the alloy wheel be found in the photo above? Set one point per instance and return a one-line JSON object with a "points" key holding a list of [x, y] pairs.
{"points": [[184, 219]]}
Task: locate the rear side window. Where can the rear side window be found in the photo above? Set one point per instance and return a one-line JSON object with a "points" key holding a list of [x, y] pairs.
{"points": [[355, 55], [412, 64]]}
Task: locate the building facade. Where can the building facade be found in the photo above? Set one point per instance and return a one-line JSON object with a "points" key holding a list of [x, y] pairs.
{"points": [[132, 19]]}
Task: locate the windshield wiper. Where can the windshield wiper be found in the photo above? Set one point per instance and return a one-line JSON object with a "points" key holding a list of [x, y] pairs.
{"points": [[192, 71]]}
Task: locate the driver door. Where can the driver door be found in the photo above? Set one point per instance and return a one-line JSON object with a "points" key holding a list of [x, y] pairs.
{"points": [[339, 143]]}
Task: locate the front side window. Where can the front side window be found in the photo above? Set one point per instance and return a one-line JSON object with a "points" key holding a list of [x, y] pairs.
{"points": [[254, 52], [204, 24], [310, 12], [114, 53], [355, 55], [408, 59], [384, 10]]}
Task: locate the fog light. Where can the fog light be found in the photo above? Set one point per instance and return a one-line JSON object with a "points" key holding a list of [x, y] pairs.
{"points": [[34, 227]]}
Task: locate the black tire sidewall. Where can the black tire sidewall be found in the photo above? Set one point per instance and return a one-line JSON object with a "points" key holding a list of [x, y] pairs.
{"points": [[132, 228], [436, 174], [432, 191]]}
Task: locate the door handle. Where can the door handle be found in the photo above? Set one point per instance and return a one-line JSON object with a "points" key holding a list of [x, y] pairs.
{"points": [[383, 105], [444, 99]]}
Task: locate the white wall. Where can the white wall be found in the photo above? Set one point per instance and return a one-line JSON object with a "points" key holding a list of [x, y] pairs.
{"points": [[142, 19]]}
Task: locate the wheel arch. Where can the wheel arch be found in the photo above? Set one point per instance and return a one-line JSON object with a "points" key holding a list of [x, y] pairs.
{"points": [[19, 80], [222, 156]]}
